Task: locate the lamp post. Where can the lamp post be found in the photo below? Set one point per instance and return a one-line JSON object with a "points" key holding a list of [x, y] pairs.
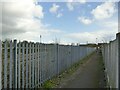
{"points": [[40, 38], [96, 44]]}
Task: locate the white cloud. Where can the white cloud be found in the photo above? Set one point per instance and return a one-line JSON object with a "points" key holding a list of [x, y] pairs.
{"points": [[103, 11], [106, 32], [91, 36], [22, 20], [54, 8], [110, 24], [82, 1], [85, 20], [38, 11], [59, 15], [70, 6]]}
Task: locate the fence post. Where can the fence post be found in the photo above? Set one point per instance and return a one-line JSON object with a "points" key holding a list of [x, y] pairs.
{"points": [[119, 45], [15, 63], [119, 58], [118, 35], [57, 59], [0, 65], [71, 54], [118, 40]]}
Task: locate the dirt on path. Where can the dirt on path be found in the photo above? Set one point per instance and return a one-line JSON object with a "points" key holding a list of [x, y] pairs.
{"points": [[88, 75]]}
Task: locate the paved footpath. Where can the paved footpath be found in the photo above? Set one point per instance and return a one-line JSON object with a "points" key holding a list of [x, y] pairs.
{"points": [[88, 75]]}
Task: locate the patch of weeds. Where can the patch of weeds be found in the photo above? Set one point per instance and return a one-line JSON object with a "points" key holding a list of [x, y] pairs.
{"points": [[49, 84]]}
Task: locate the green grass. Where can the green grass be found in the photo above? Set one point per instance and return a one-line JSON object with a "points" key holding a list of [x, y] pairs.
{"points": [[56, 80], [49, 84]]}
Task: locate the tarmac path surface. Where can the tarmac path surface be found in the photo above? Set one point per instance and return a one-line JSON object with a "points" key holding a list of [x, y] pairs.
{"points": [[89, 75]]}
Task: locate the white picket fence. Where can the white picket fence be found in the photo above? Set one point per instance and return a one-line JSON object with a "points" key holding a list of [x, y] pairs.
{"points": [[28, 65]]}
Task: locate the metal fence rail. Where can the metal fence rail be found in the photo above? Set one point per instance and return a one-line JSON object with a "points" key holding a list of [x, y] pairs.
{"points": [[28, 65], [111, 56]]}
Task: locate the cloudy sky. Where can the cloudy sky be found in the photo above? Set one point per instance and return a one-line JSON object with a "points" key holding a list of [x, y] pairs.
{"points": [[66, 22]]}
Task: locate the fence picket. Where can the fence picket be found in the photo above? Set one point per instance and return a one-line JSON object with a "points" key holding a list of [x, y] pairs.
{"points": [[35, 64], [5, 64], [38, 65], [15, 63], [30, 66], [23, 51], [26, 65], [19, 64], [11, 63], [33, 60]]}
